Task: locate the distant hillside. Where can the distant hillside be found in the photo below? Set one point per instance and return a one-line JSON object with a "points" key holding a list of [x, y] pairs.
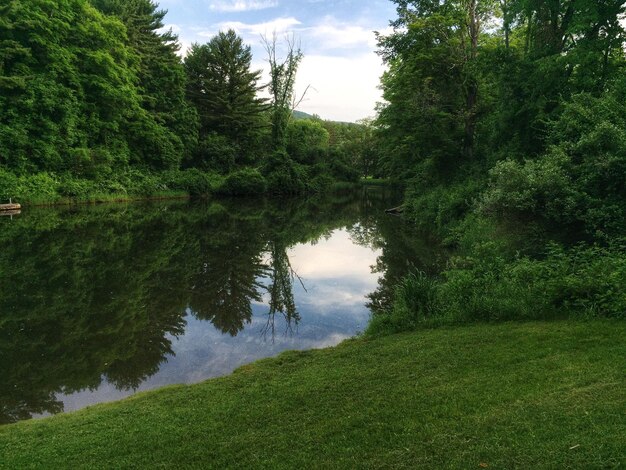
{"points": [[302, 115]]}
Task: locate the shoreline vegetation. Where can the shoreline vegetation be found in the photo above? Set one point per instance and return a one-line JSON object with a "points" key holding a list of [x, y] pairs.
{"points": [[155, 194], [508, 395]]}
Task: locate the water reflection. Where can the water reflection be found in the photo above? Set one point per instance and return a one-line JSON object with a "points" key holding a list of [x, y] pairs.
{"points": [[98, 302]]}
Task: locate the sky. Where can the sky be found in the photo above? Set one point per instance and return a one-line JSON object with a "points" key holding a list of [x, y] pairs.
{"points": [[340, 65]]}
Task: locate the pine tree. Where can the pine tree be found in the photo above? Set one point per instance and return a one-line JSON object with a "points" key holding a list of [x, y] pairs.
{"points": [[224, 90]]}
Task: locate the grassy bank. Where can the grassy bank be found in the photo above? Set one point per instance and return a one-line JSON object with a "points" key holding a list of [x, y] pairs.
{"points": [[547, 395]]}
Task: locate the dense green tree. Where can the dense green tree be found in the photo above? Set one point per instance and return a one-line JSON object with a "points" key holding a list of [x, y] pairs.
{"points": [[557, 49], [171, 122], [307, 141], [224, 90], [464, 89], [67, 87], [432, 86]]}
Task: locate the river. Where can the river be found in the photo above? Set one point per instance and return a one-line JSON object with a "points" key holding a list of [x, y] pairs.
{"points": [[100, 302]]}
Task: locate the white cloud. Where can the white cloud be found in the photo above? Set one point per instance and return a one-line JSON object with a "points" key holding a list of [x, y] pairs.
{"points": [[332, 34], [336, 257], [342, 88], [242, 5], [278, 26]]}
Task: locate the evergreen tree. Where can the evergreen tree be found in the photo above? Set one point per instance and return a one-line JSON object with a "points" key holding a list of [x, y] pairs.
{"points": [[224, 90]]}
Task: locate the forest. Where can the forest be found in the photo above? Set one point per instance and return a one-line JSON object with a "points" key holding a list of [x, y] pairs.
{"points": [[96, 103], [506, 122]]}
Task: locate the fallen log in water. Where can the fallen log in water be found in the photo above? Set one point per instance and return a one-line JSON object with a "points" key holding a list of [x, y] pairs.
{"points": [[14, 212], [395, 210], [10, 207]]}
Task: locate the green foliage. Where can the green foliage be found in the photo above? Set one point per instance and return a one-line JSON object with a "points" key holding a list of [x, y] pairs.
{"points": [[540, 188], [50, 188], [440, 208], [191, 181], [215, 153], [580, 282], [340, 166], [580, 180], [358, 143], [94, 95], [307, 141], [85, 92], [68, 83], [414, 303], [283, 175], [224, 90], [518, 127], [170, 121], [244, 182]]}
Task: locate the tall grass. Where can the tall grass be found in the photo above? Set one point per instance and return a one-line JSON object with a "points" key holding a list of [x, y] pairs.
{"points": [[578, 282]]}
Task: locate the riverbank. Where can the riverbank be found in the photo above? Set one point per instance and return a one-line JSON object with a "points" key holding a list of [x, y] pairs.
{"points": [[45, 189], [501, 396]]}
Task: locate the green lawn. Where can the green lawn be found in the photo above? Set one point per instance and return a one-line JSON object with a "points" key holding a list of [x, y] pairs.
{"points": [[534, 395]]}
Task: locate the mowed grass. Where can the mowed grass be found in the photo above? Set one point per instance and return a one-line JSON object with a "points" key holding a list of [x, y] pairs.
{"points": [[534, 395]]}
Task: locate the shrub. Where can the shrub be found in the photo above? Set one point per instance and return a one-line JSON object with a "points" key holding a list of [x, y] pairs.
{"points": [[244, 182], [415, 302], [307, 141], [283, 175], [340, 166], [9, 186], [193, 181], [75, 188], [441, 207], [215, 153], [580, 282], [535, 188]]}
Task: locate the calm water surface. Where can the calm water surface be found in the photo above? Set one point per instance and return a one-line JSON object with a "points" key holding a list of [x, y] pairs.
{"points": [[97, 303]]}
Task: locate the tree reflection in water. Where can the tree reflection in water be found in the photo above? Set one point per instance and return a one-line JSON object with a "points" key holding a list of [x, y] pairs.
{"points": [[280, 291], [98, 293]]}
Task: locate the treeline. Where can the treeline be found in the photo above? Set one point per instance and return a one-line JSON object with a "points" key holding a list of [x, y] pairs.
{"points": [[95, 100], [506, 121]]}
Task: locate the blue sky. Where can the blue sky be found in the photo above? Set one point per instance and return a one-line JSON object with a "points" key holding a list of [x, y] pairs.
{"points": [[336, 37]]}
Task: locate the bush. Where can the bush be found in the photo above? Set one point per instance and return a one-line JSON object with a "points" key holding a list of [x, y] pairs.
{"points": [[307, 141], [9, 186], [244, 182], [440, 208], [540, 188], [340, 166], [415, 302], [579, 180], [215, 153], [76, 188], [192, 181], [40, 187], [283, 175], [579, 282]]}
